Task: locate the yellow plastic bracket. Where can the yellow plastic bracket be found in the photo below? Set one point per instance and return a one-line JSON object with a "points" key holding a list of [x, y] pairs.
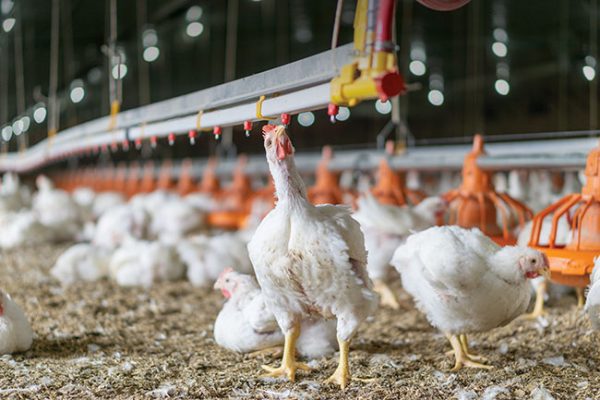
{"points": [[259, 109], [115, 107], [199, 119]]}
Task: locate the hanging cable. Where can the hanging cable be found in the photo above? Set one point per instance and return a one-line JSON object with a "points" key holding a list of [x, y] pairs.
{"points": [[336, 24], [115, 83], [19, 74], [53, 106]]}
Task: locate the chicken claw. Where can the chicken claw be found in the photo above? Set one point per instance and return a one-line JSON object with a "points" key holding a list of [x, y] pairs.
{"points": [[289, 365], [341, 376], [580, 297], [269, 351], [387, 297], [463, 359]]}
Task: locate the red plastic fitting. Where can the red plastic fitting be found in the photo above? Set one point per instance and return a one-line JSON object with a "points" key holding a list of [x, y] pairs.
{"points": [[247, 127], [192, 136], [332, 111]]}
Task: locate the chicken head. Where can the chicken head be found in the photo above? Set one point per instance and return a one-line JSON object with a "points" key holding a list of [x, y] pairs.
{"points": [[278, 145]]}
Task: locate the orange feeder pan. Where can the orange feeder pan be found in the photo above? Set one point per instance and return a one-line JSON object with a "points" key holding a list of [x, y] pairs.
{"points": [[391, 188], [475, 203], [210, 183], [326, 189], [572, 264], [240, 195], [185, 184], [164, 176]]}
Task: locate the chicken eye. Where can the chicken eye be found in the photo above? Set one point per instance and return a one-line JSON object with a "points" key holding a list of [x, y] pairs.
{"points": [[269, 142], [227, 280], [533, 261]]}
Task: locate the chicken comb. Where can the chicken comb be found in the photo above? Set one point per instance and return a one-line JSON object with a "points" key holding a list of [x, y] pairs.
{"points": [[225, 272], [268, 128]]}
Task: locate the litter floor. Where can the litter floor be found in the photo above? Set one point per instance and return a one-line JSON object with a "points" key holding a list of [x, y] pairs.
{"points": [[99, 340]]}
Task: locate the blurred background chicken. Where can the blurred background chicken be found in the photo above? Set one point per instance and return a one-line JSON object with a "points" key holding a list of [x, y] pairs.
{"points": [[82, 262], [15, 331], [385, 228], [592, 305]]}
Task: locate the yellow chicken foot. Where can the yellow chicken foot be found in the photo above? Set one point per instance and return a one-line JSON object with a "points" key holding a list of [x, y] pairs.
{"points": [[465, 346], [269, 351], [580, 297], [461, 358], [288, 363], [387, 298], [538, 308], [341, 376]]}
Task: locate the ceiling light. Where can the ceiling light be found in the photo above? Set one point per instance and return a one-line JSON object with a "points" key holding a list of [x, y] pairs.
{"points": [[193, 13], [343, 114], [151, 54], [6, 133], [8, 24], [119, 71], [77, 94], [17, 127], [383, 107], [39, 114], [149, 38], [436, 97], [502, 87], [306, 118], [194, 29], [26, 122], [499, 49], [417, 67], [500, 35], [589, 73]]}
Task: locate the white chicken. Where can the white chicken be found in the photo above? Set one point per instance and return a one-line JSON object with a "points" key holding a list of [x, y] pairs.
{"points": [[465, 283], [23, 228], [175, 218], [310, 261], [105, 201], [385, 228], [244, 324], [57, 210], [142, 263], [592, 304], [207, 256], [13, 196], [81, 262], [119, 224], [16, 334], [540, 284]]}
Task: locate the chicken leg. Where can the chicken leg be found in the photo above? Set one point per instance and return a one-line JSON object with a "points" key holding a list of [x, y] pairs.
{"points": [[462, 359], [465, 346], [387, 298], [289, 365], [538, 308], [580, 297], [341, 376]]}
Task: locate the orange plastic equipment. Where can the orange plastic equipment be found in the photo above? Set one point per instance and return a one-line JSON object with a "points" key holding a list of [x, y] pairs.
{"points": [[133, 180], [391, 188], [475, 204], [210, 183], [164, 176], [148, 183], [185, 185], [572, 264], [326, 189], [238, 197], [120, 181]]}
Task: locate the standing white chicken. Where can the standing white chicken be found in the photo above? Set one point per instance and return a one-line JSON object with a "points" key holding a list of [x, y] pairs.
{"points": [[465, 283], [81, 262], [15, 331], [141, 263], [244, 324], [385, 228], [207, 256], [310, 261], [592, 304]]}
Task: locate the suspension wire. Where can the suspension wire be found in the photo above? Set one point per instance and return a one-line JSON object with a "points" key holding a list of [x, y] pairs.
{"points": [[594, 53], [3, 93], [19, 73], [67, 27], [53, 106], [336, 24], [143, 76]]}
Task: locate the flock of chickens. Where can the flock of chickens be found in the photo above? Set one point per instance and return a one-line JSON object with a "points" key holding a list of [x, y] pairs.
{"points": [[304, 276]]}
